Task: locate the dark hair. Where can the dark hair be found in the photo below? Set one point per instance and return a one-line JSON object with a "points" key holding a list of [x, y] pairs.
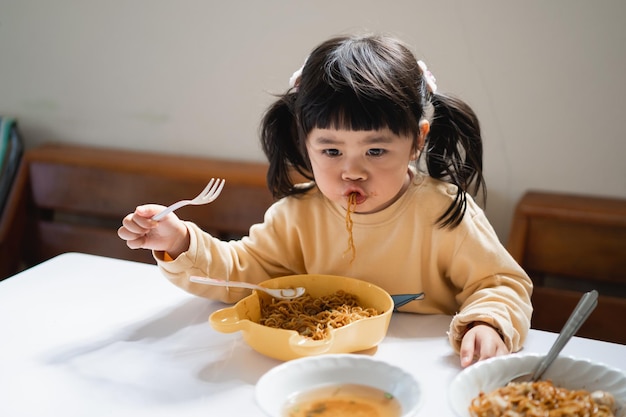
{"points": [[370, 83]]}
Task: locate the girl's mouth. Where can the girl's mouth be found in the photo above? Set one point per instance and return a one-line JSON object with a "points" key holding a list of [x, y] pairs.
{"points": [[356, 197]]}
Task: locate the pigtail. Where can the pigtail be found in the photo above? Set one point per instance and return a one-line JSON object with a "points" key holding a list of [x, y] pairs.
{"points": [[454, 153], [279, 141]]}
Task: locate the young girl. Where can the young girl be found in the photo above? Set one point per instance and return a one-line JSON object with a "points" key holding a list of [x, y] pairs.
{"points": [[392, 165]]}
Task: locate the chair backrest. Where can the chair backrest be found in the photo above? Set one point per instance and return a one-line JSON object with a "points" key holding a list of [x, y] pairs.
{"points": [[73, 198], [569, 244]]}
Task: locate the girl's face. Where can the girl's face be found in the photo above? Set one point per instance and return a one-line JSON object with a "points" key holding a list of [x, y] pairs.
{"points": [[371, 163]]}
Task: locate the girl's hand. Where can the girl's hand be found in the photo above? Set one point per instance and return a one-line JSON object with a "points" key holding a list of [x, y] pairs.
{"points": [[141, 232], [481, 342]]}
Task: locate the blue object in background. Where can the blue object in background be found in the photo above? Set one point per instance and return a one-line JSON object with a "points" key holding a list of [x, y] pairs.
{"points": [[401, 299], [11, 151]]}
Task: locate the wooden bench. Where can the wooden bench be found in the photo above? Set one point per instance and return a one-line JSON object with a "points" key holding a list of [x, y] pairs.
{"points": [[569, 244], [72, 199]]}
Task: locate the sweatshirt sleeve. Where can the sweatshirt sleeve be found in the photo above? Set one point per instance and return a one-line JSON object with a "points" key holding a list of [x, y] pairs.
{"points": [[493, 287], [255, 258]]}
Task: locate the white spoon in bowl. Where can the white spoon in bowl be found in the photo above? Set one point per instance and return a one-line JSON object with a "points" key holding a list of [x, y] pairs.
{"points": [[280, 293]]}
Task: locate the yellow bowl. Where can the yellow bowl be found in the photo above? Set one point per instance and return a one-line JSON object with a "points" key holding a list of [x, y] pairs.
{"points": [[288, 344]]}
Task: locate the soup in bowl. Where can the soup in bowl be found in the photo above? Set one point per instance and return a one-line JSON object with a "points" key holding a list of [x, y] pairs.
{"points": [[338, 385]]}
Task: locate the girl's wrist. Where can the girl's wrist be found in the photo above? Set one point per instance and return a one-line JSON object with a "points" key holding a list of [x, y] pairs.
{"points": [[181, 245]]}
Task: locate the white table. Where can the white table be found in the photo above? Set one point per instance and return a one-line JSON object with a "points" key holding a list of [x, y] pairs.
{"points": [[82, 335]]}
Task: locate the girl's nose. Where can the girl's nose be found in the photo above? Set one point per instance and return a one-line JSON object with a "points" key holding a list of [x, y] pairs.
{"points": [[353, 171]]}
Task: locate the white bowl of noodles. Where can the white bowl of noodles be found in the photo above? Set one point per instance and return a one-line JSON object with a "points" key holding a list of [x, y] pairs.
{"points": [[338, 384], [360, 326], [565, 372]]}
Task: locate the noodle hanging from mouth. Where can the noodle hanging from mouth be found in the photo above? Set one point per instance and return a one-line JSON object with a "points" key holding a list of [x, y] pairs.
{"points": [[314, 317], [350, 209]]}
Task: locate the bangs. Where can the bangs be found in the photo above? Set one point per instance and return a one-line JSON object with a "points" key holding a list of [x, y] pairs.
{"points": [[349, 84], [348, 111]]}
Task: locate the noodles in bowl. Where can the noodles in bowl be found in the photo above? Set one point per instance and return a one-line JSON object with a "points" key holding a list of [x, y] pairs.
{"points": [[542, 398], [314, 317], [357, 319], [569, 387]]}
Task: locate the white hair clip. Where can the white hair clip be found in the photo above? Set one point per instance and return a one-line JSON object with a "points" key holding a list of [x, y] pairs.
{"points": [[294, 81], [431, 81], [295, 78]]}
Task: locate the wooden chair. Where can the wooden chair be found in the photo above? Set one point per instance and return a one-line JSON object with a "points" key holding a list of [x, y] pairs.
{"points": [[569, 244], [70, 198]]}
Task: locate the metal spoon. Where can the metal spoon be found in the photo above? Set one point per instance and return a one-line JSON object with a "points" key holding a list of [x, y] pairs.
{"points": [[281, 293], [583, 309]]}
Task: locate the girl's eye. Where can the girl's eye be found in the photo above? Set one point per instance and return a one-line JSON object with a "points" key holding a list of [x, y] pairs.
{"points": [[331, 152], [375, 152]]}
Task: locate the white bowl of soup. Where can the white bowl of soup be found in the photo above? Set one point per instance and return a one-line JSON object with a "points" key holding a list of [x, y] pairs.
{"points": [[480, 389], [338, 385], [354, 316]]}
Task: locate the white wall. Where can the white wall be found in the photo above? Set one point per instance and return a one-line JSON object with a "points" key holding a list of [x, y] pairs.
{"points": [[194, 76]]}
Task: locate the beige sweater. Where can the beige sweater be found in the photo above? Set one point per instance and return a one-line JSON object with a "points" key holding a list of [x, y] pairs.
{"points": [[465, 271]]}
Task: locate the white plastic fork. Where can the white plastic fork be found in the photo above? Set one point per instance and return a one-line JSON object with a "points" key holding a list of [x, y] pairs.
{"points": [[210, 193], [280, 293]]}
